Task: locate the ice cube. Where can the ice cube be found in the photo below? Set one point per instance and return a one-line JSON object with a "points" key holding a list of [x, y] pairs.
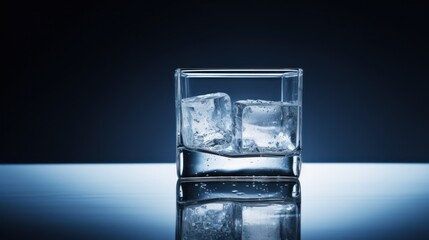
{"points": [[207, 121], [265, 126], [269, 221], [219, 220]]}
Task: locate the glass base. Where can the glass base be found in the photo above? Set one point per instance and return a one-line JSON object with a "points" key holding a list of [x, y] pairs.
{"points": [[193, 163]]}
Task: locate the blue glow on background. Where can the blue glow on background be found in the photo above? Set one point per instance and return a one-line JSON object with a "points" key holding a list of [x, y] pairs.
{"points": [[97, 86]]}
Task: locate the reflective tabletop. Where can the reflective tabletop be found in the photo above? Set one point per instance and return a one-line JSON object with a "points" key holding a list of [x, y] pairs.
{"points": [[146, 201]]}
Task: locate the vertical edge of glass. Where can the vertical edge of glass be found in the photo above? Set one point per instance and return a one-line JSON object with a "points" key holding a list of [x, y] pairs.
{"points": [[300, 88], [178, 97]]}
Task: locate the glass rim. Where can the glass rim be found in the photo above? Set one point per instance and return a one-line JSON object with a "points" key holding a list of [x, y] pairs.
{"points": [[238, 72]]}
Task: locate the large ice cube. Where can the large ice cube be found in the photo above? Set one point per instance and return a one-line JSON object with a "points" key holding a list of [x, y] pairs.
{"points": [[211, 221], [207, 121], [265, 126], [269, 221]]}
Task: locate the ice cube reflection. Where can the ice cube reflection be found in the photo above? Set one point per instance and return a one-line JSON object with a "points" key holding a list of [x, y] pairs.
{"points": [[238, 209]]}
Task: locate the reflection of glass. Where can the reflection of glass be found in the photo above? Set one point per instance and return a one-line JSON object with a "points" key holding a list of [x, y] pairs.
{"points": [[238, 209], [238, 122]]}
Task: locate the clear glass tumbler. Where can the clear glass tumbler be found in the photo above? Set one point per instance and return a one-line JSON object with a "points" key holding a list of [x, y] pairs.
{"points": [[238, 122]]}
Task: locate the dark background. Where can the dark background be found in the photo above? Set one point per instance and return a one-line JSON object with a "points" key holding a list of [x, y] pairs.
{"points": [[94, 82]]}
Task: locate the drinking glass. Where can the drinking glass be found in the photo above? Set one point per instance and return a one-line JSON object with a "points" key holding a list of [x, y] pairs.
{"points": [[238, 122]]}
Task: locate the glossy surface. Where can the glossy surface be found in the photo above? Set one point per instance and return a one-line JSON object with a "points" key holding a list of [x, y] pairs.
{"points": [[138, 201]]}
